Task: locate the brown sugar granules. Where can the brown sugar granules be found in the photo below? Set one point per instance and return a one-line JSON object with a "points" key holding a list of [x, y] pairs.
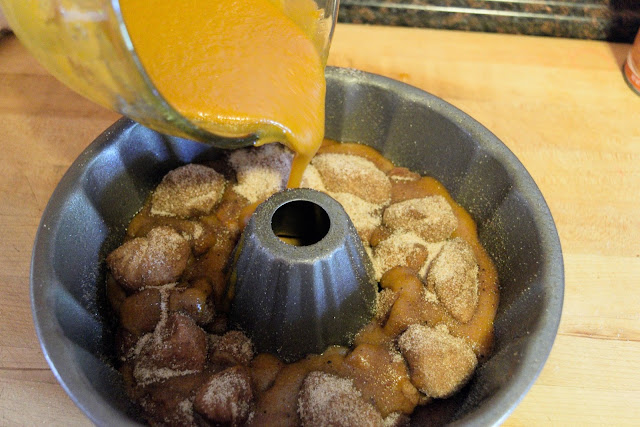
{"points": [[261, 171], [440, 363], [399, 174], [346, 173], [328, 400], [188, 191], [430, 217], [399, 249], [312, 179], [226, 398], [365, 216], [397, 419], [381, 376], [186, 410], [454, 277], [181, 349], [155, 260], [232, 348], [386, 298]]}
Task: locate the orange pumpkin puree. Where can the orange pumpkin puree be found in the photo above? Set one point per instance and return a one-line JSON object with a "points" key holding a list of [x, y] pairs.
{"points": [[238, 67]]}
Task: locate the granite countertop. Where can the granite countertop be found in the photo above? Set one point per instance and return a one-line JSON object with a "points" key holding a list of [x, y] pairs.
{"points": [[613, 20]]}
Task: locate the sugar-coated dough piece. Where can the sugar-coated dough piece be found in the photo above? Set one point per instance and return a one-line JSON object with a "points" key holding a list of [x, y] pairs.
{"points": [[381, 376], [177, 347], [430, 217], [399, 249], [453, 275], [154, 260], [386, 298], [226, 398], [328, 400], [440, 364], [396, 419], [312, 179], [346, 173], [261, 171], [365, 216], [399, 174], [232, 348], [188, 191]]}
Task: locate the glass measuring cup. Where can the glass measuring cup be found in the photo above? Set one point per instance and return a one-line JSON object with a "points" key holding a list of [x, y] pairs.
{"points": [[85, 44]]}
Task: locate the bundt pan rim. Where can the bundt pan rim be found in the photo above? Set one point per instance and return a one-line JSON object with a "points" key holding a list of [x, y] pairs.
{"points": [[82, 223]]}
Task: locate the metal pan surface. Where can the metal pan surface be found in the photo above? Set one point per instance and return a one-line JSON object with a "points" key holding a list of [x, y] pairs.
{"points": [[87, 214]]}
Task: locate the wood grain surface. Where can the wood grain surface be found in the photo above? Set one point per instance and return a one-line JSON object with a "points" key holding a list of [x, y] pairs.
{"points": [[560, 105]]}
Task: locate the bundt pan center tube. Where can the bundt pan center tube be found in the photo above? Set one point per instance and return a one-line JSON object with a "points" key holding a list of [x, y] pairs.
{"points": [[301, 280]]}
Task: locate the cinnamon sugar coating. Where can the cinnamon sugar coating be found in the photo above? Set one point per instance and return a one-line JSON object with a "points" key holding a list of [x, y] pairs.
{"points": [[346, 173], [328, 400], [226, 398], [399, 249], [312, 179], [141, 311], [170, 401], [440, 363], [399, 175], [386, 298], [397, 419], [155, 260], [261, 171], [188, 191], [430, 217], [454, 277], [365, 216], [381, 376], [176, 348], [232, 348]]}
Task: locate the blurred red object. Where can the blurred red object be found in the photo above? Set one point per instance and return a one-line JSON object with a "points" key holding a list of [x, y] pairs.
{"points": [[632, 65]]}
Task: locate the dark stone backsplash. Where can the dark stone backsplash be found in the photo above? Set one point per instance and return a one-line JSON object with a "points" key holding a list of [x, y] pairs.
{"points": [[613, 20]]}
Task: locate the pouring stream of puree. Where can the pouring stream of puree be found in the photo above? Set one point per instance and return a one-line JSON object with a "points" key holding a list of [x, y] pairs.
{"points": [[238, 67]]}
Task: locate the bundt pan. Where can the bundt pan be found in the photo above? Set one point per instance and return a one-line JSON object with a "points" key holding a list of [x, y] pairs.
{"points": [[87, 214]]}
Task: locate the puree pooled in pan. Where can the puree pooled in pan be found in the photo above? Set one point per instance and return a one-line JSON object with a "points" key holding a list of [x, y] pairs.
{"points": [[182, 365]]}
